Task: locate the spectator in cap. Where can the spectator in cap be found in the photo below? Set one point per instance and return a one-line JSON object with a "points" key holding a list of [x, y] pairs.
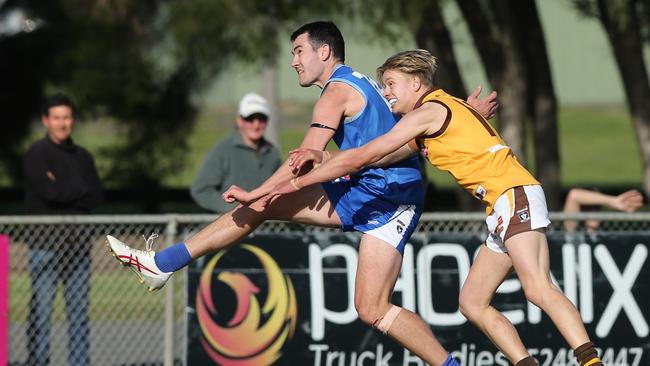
{"points": [[245, 158]]}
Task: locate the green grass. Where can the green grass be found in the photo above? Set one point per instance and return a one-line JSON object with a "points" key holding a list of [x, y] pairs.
{"points": [[598, 146]]}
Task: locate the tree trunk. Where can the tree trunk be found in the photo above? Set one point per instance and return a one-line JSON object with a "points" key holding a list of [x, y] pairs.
{"points": [[513, 89], [432, 34], [620, 21], [271, 93], [543, 103], [497, 41]]}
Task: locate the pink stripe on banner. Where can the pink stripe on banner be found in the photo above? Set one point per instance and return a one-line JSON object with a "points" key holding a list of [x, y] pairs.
{"points": [[4, 298]]}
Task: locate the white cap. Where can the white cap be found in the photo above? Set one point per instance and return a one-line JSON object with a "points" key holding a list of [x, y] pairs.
{"points": [[253, 103]]}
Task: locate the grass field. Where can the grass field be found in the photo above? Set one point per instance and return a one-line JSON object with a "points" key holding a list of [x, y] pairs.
{"points": [[597, 144]]}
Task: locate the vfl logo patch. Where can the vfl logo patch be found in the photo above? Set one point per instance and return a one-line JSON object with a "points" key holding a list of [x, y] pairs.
{"points": [[480, 192], [400, 227], [524, 215]]}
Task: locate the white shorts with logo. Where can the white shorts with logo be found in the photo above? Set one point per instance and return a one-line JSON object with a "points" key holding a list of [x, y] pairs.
{"points": [[517, 210], [399, 228]]}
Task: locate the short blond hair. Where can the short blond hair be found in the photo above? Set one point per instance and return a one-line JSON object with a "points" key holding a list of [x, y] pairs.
{"points": [[418, 63]]}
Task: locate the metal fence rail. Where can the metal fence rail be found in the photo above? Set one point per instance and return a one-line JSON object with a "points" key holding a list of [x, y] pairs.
{"points": [[127, 325]]}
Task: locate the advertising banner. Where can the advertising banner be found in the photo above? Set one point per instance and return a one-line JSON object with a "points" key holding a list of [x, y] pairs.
{"points": [[288, 299]]}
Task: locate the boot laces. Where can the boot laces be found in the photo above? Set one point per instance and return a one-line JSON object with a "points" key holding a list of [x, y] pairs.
{"points": [[149, 241]]}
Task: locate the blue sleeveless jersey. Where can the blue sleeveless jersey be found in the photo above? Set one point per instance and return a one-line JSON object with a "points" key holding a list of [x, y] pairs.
{"points": [[370, 197]]}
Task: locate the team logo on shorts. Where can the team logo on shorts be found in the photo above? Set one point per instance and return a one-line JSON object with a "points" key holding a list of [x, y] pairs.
{"points": [[249, 320], [524, 215], [400, 227], [499, 228]]}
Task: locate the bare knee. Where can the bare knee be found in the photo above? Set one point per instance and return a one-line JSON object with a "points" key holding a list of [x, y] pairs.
{"points": [[370, 312], [535, 295], [379, 317], [468, 307], [539, 292]]}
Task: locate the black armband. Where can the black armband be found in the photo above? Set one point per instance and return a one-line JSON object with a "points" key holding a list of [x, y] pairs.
{"points": [[320, 125]]}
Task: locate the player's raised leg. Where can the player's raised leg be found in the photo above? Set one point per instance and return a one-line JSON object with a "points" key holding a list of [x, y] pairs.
{"points": [[310, 206]]}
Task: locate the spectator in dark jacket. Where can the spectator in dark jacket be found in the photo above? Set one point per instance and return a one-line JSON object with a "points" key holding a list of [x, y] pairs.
{"points": [[60, 179]]}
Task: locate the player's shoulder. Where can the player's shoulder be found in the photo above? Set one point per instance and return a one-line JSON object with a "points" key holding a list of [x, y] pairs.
{"points": [[338, 92], [433, 106], [429, 114], [339, 86]]}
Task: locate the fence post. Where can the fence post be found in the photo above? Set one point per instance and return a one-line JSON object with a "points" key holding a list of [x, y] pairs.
{"points": [[170, 235]]}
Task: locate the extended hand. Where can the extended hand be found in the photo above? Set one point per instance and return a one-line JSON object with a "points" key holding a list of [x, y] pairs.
{"points": [[236, 193], [487, 106], [299, 158], [629, 201]]}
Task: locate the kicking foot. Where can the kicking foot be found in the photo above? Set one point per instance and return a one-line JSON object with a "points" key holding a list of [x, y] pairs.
{"points": [[141, 262]]}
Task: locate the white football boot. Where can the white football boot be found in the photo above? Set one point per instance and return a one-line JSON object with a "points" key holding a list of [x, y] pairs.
{"points": [[141, 262]]}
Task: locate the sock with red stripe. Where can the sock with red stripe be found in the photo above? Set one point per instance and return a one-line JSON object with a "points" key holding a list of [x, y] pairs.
{"points": [[173, 258]]}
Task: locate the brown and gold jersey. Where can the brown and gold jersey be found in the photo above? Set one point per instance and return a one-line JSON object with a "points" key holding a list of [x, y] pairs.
{"points": [[471, 150]]}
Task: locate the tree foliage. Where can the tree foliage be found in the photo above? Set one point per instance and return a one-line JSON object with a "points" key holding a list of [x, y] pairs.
{"points": [[101, 53], [210, 34], [136, 63], [24, 63], [139, 62]]}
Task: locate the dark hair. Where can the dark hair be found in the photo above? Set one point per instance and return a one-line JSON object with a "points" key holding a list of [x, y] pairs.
{"points": [[323, 32], [57, 100]]}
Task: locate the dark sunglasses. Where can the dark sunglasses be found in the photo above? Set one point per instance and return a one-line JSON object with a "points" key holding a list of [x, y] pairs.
{"points": [[256, 116]]}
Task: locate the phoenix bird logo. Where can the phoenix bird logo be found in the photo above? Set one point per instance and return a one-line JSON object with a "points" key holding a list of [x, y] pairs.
{"points": [[255, 333]]}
